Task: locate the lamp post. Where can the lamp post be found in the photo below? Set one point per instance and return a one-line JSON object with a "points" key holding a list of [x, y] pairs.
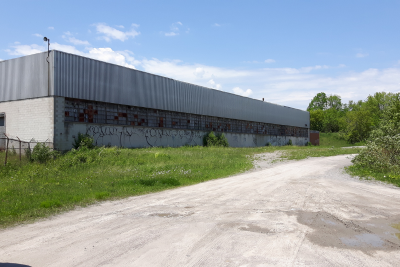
{"points": [[48, 64], [48, 45]]}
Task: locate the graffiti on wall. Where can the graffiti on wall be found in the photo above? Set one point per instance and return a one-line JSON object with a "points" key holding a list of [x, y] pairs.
{"points": [[127, 136]]}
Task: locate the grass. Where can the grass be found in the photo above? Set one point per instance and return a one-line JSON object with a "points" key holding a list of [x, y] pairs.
{"points": [[305, 152], [334, 139], [29, 191], [368, 174]]}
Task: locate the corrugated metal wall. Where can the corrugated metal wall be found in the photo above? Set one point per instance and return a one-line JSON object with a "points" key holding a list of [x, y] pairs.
{"points": [[79, 77], [84, 78], [25, 77]]}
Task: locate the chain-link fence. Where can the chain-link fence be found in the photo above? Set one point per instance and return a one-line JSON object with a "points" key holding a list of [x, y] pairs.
{"points": [[11, 146]]}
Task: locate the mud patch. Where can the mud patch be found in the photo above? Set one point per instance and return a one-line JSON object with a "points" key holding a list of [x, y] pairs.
{"points": [[331, 231], [255, 229]]}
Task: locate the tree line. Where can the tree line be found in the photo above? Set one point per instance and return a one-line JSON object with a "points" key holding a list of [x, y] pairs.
{"points": [[354, 121]]}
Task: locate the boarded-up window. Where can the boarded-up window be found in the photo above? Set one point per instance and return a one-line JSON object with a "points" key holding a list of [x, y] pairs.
{"points": [[1, 119]]}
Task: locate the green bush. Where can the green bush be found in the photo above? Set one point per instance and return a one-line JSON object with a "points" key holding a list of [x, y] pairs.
{"points": [[268, 144], [83, 140], [289, 143], [382, 153], [42, 153], [308, 144], [215, 140]]}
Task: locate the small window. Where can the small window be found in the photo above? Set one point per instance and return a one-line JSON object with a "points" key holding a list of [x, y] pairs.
{"points": [[1, 119]]}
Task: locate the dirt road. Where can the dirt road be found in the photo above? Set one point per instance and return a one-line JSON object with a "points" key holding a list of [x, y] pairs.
{"points": [[297, 213]]}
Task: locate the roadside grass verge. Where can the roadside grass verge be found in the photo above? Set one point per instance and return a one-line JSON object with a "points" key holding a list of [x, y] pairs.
{"points": [[369, 174], [29, 191], [334, 139], [306, 152]]}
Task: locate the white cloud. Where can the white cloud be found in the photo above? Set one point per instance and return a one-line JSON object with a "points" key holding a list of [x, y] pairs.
{"points": [[360, 55], [108, 33], [269, 60], [216, 25], [120, 26], [75, 41], [123, 58], [23, 50], [50, 28], [69, 38], [175, 28], [214, 85], [171, 33], [239, 91], [37, 35]]}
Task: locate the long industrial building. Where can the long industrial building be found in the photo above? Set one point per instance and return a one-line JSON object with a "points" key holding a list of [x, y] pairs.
{"points": [[53, 97]]}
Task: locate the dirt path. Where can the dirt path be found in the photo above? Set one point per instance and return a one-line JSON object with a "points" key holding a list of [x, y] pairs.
{"points": [[294, 213]]}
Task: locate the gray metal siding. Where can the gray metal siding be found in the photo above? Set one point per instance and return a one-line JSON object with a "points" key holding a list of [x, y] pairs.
{"points": [[78, 77], [84, 78], [25, 77]]}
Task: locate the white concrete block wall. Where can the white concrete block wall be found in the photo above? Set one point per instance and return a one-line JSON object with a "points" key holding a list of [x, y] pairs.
{"points": [[60, 142], [30, 118]]}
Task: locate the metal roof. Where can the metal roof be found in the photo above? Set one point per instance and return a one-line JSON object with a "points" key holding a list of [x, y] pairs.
{"points": [[84, 78]]}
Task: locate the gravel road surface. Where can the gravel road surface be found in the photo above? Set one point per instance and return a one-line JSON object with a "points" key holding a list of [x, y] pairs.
{"points": [[295, 213]]}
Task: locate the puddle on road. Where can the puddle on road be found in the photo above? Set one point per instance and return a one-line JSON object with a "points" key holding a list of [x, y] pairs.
{"points": [[363, 239], [367, 236]]}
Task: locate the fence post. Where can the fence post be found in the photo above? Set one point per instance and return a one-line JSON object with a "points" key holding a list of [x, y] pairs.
{"points": [[20, 161], [5, 161]]}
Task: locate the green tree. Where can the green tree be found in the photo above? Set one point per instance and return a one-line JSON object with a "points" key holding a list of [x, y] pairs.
{"points": [[317, 120], [318, 102], [334, 101], [331, 120], [358, 125]]}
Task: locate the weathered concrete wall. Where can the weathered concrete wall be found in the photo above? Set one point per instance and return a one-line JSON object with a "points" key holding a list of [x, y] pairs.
{"points": [[136, 136], [30, 118]]}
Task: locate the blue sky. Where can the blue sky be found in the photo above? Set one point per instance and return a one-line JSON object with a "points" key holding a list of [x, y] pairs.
{"points": [[283, 51]]}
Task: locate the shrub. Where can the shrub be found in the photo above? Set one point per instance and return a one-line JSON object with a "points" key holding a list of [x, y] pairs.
{"points": [[83, 140], [382, 152], [289, 143], [308, 144], [42, 153], [215, 140], [268, 144]]}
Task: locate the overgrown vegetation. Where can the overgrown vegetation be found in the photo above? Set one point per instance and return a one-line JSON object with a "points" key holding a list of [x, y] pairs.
{"points": [[353, 121], [83, 176], [83, 140], [381, 158], [215, 140]]}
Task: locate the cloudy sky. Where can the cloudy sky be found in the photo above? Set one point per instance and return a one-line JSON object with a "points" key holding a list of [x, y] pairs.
{"points": [[283, 51]]}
